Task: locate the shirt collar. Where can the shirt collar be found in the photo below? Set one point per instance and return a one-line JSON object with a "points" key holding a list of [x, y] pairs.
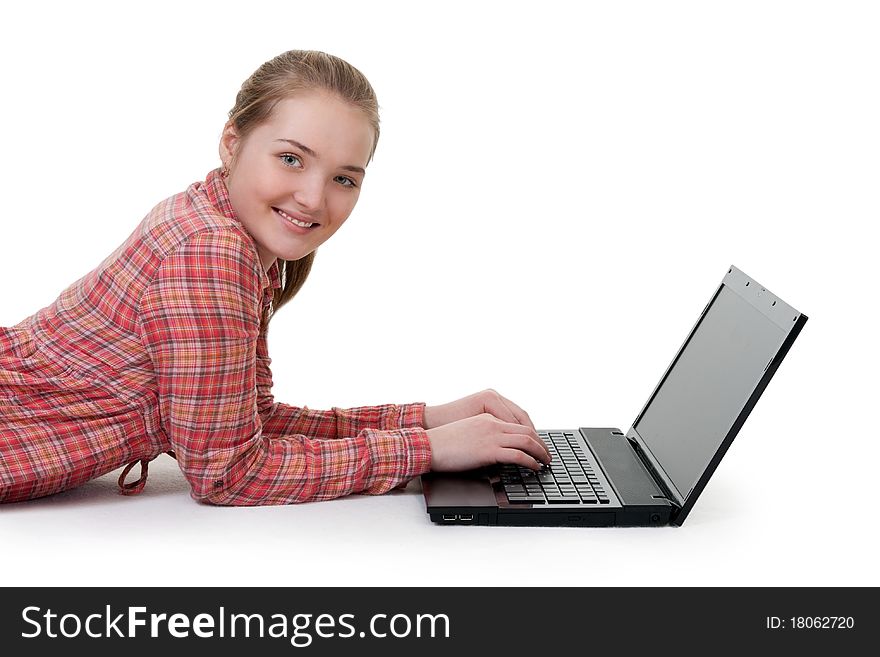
{"points": [[218, 195], [274, 275], [215, 188]]}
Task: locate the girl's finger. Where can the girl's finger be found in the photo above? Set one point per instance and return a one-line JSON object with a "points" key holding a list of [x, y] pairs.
{"points": [[508, 411], [521, 416], [508, 455], [529, 444]]}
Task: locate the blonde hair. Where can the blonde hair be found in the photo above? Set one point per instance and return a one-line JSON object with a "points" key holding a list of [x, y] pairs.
{"points": [[282, 77]]}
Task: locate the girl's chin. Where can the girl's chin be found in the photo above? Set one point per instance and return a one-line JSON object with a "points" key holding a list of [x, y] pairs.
{"points": [[291, 256]]}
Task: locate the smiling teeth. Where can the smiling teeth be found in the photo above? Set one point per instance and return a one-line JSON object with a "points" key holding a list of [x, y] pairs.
{"points": [[294, 221]]}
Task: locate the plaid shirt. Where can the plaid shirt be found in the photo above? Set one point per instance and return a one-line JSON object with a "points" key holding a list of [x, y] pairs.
{"points": [[160, 349]]}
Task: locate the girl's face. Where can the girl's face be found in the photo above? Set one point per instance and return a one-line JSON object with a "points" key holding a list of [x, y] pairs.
{"points": [[305, 163]]}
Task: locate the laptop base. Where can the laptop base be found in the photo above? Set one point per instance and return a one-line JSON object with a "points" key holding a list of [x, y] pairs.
{"points": [[477, 497]]}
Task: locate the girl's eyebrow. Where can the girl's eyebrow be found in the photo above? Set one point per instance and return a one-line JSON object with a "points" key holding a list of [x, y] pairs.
{"points": [[309, 151]]}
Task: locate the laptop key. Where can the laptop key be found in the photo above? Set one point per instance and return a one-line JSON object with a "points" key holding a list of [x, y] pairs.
{"points": [[562, 499]]}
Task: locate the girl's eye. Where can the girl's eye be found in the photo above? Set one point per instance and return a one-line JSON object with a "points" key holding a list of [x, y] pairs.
{"points": [[294, 162]]}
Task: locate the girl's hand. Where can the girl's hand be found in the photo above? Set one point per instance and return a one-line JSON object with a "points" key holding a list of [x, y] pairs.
{"points": [[485, 401], [484, 440]]}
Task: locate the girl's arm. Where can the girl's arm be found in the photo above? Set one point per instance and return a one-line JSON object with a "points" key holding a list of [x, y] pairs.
{"points": [[281, 419], [199, 321]]}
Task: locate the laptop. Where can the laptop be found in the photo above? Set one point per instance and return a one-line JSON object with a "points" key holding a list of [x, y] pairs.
{"points": [[653, 474]]}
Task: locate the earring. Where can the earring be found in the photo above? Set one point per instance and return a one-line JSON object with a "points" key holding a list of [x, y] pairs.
{"points": [[224, 172]]}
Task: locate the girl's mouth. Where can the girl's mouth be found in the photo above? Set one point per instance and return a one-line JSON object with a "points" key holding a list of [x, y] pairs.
{"points": [[296, 224]]}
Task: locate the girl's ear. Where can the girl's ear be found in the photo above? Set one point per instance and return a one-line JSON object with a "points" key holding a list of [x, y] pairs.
{"points": [[229, 142]]}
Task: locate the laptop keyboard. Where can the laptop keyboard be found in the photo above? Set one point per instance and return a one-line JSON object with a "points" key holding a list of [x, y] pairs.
{"points": [[569, 479]]}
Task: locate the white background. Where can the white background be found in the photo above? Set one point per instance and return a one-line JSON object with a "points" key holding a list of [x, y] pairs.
{"points": [[558, 189]]}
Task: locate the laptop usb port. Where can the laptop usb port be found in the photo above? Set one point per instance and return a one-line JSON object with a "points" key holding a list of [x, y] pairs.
{"points": [[448, 518], [467, 518]]}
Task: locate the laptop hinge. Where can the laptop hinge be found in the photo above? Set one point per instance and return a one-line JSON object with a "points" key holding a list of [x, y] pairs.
{"points": [[658, 480]]}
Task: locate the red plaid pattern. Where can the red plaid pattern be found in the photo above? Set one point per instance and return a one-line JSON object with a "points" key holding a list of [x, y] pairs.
{"points": [[159, 349]]}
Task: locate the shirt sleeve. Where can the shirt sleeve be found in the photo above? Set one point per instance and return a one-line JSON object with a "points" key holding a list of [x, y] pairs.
{"points": [[200, 324], [281, 419]]}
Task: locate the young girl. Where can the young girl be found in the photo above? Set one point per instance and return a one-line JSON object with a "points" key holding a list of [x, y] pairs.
{"points": [[162, 348]]}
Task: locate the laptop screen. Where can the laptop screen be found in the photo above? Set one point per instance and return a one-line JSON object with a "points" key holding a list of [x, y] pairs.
{"points": [[709, 383]]}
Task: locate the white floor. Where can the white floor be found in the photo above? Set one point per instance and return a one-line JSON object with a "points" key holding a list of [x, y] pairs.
{"points": [[94, 536]]}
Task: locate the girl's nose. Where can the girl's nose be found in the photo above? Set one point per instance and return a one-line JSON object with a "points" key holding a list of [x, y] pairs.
{"points": [[309, 193]]}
